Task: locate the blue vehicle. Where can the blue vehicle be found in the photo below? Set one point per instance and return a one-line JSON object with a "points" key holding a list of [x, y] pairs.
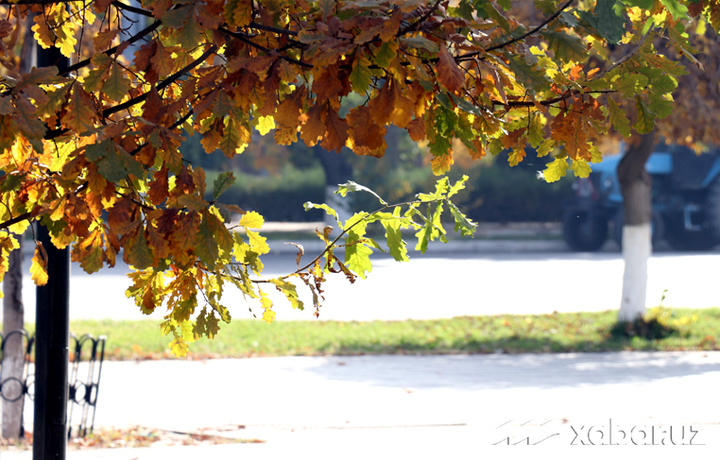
{"points": [[685, 202]]}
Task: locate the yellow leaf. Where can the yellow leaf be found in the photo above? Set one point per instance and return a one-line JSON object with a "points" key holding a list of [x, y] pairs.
{"points": [[581, 168], [179, 347], [266, 303], [555, 170], [251, 220], [38, 267], [265, 125], [258, 244]]}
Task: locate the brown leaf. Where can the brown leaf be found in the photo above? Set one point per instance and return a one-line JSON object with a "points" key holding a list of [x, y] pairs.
{"points": [[158, 190], [449, 73], [5, 28], [327, 85], [314, 129], [337, 131], [416, 130]]}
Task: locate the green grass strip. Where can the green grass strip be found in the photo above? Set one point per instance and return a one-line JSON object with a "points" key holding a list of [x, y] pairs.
{"points": [[553, 333]]}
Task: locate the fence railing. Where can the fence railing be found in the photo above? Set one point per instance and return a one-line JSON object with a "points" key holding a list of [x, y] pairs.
{"points": [[87, 354]]}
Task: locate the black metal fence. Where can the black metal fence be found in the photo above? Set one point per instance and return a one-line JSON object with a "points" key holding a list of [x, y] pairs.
{"points": [[86, 359]]}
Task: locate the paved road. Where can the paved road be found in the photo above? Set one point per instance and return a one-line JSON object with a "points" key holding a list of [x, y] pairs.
{"points": [[419, 407], [457, 281]]}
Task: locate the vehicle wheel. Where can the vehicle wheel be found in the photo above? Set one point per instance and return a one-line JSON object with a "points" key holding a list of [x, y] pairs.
{"points": [[657, 227], [682, 239], [584, 231]]}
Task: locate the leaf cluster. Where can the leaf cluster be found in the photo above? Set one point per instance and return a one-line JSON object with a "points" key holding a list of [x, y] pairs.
{"points": [[91, 150]]}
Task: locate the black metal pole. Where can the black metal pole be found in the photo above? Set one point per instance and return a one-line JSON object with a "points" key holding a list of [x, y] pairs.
{"points": [[52, 330]]}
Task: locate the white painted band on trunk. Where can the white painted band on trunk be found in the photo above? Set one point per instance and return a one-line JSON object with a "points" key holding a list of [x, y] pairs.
{"points": [[636, 248]]}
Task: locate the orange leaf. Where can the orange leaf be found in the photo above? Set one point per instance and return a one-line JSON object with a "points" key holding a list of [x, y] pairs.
{"points": [[449, 73]]}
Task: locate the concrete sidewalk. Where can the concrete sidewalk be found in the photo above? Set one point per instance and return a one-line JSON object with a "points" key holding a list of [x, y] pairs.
{"points": [[417, 407]]}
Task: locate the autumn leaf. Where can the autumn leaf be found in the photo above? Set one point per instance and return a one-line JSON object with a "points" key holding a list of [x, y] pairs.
{"points": [[80, 114], [38, 266], [441, 164], [289, 291], [251, 219], [268, 314], [555, 170], [449, 73], [117, 86]]}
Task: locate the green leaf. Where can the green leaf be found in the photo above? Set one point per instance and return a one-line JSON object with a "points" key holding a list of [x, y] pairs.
{"points": [[224, 181], [385, 54], [351, 186], [116, 87], [618, 118], [360, 77], [661, 107], [309, 205], [566, 47], [114, 163], [630, 85], [396, 244], [357, 253], [420, 42], [465, 226], [645, 118], [606, 20], [206, 247], [138, 252], [526, 74], [676, 9], [644, 4]]}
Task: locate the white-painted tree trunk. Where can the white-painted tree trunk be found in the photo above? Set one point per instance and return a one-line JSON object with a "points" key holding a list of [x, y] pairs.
{"points": [[13, 359], [637, 247]]}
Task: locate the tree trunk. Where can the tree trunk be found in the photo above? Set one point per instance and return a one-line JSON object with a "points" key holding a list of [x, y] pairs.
{"points": [[14, 349], [337, 170], [13, 309], [636, 187]]}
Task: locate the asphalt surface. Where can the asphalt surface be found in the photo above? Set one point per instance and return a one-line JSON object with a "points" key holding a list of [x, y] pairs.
{"points": [[497, 406], [417, 406]]}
